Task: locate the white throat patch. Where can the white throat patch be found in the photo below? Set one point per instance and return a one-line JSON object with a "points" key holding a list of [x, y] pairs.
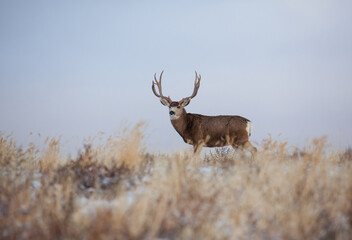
{"points": [[173, 117]]}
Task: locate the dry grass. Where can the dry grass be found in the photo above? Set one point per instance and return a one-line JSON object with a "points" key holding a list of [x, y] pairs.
{"points": [[116, 190]]}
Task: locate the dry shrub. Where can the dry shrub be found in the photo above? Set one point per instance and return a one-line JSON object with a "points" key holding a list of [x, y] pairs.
{"points": [[14, 158], [114, 190], [50, 156], [123, 149], [130, 147]]}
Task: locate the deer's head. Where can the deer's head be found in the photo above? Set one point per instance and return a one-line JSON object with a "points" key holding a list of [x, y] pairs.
{"points": [[176, 109]]}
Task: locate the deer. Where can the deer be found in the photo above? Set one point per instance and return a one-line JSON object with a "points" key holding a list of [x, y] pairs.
{"points": [[205, 131]]}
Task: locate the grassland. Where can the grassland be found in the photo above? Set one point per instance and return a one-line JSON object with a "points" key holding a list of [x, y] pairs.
{"points": [[117, 190]]}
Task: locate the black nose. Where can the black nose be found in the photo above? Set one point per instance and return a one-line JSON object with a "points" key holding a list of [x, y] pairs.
{"points": [[172, 113]]}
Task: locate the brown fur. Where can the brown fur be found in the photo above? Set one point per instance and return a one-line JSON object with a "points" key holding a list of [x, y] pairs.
{"points": [[213, 131]]}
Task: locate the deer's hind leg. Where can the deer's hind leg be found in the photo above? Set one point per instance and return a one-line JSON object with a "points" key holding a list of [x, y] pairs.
{"points": [[245, 146], [248, 146]]}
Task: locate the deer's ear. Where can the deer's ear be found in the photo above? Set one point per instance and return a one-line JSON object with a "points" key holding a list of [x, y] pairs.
{"points": [[164, 102], [186, 102]]}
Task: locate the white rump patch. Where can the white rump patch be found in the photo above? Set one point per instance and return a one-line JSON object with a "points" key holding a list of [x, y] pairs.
{"points": [[249, 128]]}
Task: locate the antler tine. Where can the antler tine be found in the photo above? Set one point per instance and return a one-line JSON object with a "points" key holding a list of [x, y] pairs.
{"points": [[155, 82], [197, 83], [161, 74], [196, 87], [158, 84]]}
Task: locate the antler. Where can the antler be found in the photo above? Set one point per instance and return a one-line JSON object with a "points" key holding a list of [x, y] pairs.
{"points": [[196, 87], [158, 83]]}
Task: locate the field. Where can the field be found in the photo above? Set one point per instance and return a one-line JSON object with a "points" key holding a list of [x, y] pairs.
{"points": [[118, 190]]}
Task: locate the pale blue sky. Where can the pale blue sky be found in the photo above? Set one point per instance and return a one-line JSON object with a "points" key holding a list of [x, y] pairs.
{"points": [[74, 68]]}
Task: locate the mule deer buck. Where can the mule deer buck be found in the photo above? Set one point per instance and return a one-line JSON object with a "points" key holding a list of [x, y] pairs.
{"points": [[208, 131]]}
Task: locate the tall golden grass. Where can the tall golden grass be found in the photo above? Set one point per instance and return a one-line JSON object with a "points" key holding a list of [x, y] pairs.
{"points": [[117, 190]]}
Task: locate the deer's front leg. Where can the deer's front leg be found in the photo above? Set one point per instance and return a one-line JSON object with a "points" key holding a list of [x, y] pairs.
{"points": [[197, 148]]}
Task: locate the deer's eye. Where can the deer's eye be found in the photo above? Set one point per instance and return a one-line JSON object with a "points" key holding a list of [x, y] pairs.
{"points": [[178, 106]]}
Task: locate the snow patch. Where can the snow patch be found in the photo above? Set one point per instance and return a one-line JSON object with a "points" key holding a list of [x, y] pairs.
{"points": [[206, 170], [36, 185]]}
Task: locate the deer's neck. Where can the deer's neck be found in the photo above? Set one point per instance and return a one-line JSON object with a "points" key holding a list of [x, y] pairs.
{"points": [[180, 124]]}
